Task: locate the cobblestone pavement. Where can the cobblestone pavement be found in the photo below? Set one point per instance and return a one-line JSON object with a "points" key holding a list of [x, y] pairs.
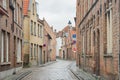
{"points": [[56, 71]]}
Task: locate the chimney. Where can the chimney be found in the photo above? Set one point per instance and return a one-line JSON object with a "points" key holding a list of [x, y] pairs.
{"points": [[52, 28]]}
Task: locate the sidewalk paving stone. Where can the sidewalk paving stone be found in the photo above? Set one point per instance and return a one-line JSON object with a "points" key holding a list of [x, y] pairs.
{"points": [[25, 71], [82, 75]]}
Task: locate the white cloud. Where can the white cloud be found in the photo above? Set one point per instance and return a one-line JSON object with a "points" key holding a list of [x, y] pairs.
{"points": [[57, 12]]}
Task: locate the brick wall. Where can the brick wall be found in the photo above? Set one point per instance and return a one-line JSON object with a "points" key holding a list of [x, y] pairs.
{"points": [[95, 59]]}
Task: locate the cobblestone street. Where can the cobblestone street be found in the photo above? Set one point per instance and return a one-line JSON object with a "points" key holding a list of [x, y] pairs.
{"points": [[56, 71]]}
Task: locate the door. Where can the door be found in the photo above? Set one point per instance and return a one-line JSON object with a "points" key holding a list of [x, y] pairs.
{"points": [[40, 52], [63, 54], [44, 56]]}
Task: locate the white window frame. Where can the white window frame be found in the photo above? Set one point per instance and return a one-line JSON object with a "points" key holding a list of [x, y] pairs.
{"points": [[7, 47], [109, 32], [41, 31], [5, 4], [17, 13], [2, 46], [19, 48]]}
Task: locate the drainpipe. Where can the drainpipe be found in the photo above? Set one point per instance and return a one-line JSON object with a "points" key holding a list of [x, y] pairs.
{"points": [[12, 28], [119, 43]]}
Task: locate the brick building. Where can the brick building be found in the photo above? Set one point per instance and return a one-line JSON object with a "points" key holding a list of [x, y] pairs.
{"points": [[11, 36], [33, 34], [97, 25], [68, 48], [49, 46]]}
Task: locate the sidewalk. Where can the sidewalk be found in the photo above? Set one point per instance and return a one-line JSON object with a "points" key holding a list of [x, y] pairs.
{"points": [[25, 71], [80, 73]]}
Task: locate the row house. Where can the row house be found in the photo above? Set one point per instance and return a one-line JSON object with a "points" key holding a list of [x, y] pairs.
{"points": [[68, 48], [11, 36], [49, 46], [98, 28], [33, 34]]}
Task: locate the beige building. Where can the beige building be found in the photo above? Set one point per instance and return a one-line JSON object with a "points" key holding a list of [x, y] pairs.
{"points": [[33, 34]]}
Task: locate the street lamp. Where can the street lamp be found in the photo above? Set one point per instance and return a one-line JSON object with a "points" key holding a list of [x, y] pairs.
{"points": [[70, 25]]}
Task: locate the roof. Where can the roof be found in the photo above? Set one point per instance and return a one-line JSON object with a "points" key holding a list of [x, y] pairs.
{"points": [[25, 6], [66, 29]]}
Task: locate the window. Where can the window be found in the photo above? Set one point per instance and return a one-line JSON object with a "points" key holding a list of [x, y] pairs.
{"points": [[31, 27], [35, 28], [94, 1], [5, 4], [109, 31], [33, 9], [84, 8], [83, 41], [40, 31], [21, 18], [19, 48], [88, 4], [34, 50], [17, 13], [2, 46], [90, 40], [87, 42], [15, 10], [78, 2], [31, 50], [7, 47], [97, 18]]}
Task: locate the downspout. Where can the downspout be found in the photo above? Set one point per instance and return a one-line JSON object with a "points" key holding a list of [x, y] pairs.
{"points": [[119, 43]]}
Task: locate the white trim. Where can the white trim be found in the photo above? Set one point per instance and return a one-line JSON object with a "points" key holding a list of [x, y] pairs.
{"points": [[2, 46], [7, 47]]}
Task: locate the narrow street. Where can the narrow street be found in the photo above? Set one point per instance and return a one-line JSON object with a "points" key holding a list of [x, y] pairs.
{"points": [[56, 71]]}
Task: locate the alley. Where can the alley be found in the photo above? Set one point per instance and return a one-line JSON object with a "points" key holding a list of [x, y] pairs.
{"points": [[56, 71]]}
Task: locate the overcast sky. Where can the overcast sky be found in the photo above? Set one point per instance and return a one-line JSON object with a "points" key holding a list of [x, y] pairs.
{"points": [[57, 12]]}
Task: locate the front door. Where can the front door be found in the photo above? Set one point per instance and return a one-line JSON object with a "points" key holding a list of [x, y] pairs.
{"points": [[40, 52]]}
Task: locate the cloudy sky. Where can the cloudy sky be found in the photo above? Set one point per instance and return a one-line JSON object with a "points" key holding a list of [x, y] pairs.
{"points": [[57, 12]]}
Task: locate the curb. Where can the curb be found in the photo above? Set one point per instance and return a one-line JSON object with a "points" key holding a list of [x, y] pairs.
{"points": [[80, 78], [23, 75], [18, 76], [42, 65]]}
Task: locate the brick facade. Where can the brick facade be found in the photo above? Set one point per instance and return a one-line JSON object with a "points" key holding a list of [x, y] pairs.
{"points": [[68, 48], [11, 37], [49, 49], [97, 25]]}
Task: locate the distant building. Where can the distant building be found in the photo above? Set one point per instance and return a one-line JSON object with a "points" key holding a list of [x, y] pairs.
{"points": [[68, 48], [49, 46], [98, 37], [11, 37]]}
